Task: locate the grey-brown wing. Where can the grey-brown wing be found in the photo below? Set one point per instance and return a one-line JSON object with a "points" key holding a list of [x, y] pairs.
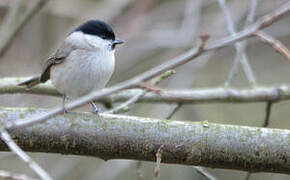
{"points": [[57, 58], [45, 74]]}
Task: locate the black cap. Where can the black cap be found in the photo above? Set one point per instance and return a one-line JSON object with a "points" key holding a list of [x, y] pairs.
{"points": [[97, 27]]}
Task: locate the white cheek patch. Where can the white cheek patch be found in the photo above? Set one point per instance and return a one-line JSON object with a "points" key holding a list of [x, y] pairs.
{"points": [[96, 41]]}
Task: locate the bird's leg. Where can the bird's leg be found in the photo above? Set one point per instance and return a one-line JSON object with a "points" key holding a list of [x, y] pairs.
{"points": [[95, 109], [63, 104]]}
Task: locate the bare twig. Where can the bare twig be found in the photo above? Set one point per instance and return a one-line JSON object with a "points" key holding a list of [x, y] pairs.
{"points": [[241, 53], [124, 107], [234, 68], [158, 162], [10, 34], [206, 95], [171, 64], [252, 12], [209, 95], [277, 45], [13, 176], [263, 22], [205, 173], [268, 113], [17, 150], [175, 109]]}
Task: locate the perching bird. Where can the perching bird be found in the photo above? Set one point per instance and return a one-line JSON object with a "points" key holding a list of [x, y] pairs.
{"points": [[84, 62]]}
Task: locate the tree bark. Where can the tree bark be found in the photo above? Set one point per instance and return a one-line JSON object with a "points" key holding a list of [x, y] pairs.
{"points": [[127, 137]]}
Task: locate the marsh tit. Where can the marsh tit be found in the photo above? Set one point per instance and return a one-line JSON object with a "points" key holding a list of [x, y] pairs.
{"points": [[84, 62]]}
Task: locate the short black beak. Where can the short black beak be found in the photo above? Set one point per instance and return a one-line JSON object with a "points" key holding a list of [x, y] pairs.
{"points": [[117, 41]]}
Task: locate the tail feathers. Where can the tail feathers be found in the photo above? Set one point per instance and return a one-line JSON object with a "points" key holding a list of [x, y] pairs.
{"points": [[30, 82]]}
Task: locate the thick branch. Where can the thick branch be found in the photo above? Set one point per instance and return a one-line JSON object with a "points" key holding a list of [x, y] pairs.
{"points": [[206, 95], [127, 137]]}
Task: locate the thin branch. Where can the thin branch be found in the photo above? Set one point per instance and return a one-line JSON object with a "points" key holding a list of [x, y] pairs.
{"points": [[171, 64], [9, 35], [13, 176], [109, 136], [188, 96], [241, 53], [20, 153], [263, 22], [268, 113], [124, 107], [230, 24], [252, 12], [158, 162], [205, 173], [234, 69], [175, 109], [277, 45]]}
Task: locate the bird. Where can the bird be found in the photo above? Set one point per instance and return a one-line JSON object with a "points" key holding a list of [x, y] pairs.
{"points": [[84, 62]]}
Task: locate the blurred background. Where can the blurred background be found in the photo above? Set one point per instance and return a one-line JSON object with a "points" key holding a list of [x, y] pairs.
{"points": [[154, 31]]}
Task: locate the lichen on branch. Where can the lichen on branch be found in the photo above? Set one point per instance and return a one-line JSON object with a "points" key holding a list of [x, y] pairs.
{"points": [[129, 137]]}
